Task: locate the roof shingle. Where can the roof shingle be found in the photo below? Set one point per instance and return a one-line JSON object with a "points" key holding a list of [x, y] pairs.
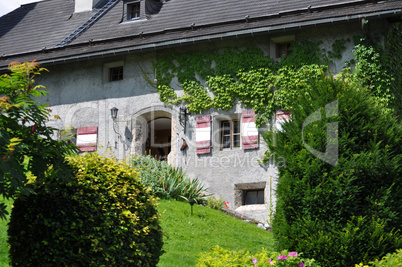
{"points": [[36, 26]]}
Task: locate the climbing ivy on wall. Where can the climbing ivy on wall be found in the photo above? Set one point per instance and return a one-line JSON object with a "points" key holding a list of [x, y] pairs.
{"points": [[219, 79], [244, 75], [393, 64]]}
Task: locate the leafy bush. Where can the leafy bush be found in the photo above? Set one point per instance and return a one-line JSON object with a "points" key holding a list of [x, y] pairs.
{"points": [[372, 73], [390, 260], [359, 240], [26, 143], [217, 204], [104, 216], [219, 256], [348, 209], [167, 181]]}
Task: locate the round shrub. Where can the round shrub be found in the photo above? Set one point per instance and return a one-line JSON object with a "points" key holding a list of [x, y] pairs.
{"points": [[103, 216], [347, 209]]}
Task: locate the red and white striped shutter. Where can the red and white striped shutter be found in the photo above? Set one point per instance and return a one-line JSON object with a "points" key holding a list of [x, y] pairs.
{"points": [[203, 134], [87, 138], [280, 118], [249, 130]]}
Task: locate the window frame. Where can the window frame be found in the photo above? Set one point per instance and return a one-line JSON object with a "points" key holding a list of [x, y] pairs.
{"points": [[283, 47], [277, 41], [259, 193], [119, 75], [130, 6], [231, 133]]}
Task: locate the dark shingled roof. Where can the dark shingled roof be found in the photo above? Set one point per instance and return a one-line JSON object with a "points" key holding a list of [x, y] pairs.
{"points": [[33, 30]]}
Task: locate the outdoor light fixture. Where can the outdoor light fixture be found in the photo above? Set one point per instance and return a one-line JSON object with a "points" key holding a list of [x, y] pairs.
{"points": [[183, 117], [114, 111], [191, 202], [184, 145]]}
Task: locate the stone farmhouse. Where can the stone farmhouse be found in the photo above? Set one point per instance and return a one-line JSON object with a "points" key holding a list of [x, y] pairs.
{"points": [[97, 51]]}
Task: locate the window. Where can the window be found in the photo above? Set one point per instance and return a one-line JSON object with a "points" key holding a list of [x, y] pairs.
{"points": [[230, 134], [133, 11], [116, 74], [280, 46], [249, 194], [282, 49], [253, 197]]}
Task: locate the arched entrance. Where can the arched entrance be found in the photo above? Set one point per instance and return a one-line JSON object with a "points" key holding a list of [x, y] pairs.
{"points": [[155, 133], [158, 143]]}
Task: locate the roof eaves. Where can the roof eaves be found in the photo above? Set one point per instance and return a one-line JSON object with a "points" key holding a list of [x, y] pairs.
{"points": [[231, 32], [218, 36]]}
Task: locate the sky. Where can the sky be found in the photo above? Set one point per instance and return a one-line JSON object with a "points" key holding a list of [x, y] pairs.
{"points": [[9, 5]]}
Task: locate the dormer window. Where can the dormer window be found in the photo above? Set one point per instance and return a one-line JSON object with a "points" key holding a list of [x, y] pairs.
{"points": [[133, 10]]}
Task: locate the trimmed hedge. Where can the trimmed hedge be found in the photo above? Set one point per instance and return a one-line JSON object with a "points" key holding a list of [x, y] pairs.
{"points": [[104, 216], [351, 212]]}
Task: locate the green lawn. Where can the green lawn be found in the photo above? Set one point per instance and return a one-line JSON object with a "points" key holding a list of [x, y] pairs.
{"points": [[185, 236]]}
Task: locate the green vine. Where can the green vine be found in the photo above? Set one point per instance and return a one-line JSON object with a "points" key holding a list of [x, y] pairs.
{"points": [[372, 72], [337, 48], [393, 64], [249, 77]]}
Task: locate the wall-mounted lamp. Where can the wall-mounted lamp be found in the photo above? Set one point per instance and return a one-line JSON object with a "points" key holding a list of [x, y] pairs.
{"points": [[183, 117], [184, 145], [113, 112]]}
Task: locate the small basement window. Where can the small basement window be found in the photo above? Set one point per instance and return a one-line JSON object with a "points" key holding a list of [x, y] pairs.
{"points": [[133, 11], [253, 197], [116, 74]]}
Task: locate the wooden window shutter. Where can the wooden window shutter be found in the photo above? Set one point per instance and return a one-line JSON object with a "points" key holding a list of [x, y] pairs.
{"points": [[280, 117], [87, 138], [249, 130], [203, 134]]}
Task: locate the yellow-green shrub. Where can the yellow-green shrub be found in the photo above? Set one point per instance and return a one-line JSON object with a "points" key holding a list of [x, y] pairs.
{"points": [[103, 216], [390, 260]]}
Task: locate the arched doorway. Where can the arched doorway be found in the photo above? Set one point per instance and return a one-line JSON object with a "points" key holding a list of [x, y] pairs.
{"points": [[154, 132], [159, 139]]}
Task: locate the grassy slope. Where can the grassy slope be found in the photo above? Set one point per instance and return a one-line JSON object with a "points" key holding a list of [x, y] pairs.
{"points": [[186, 236], [3, 236]]}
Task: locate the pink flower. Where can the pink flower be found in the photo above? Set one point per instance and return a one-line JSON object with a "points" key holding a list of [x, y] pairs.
{"points": [[254, 260], [282, 257], [270, 261], [301, 264], [293, 254]]}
